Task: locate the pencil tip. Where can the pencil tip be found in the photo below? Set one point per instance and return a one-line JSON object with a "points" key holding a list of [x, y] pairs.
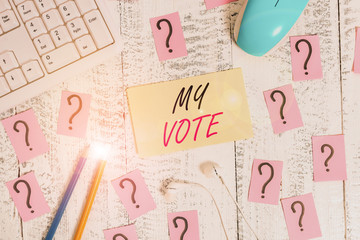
{"points": [[85, 152]]}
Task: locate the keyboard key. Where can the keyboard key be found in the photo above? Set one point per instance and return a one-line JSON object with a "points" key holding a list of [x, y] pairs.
{"points": [[44, 5], [27, 10], [32, 71], [8, 20], [8, 61], [60, 36], [4, 5], [69, 11], [35, 27], [86, 5], [43, 44], [4, 87], [77, 28], [60, 57], [58, 2], [85, 45], [52, 19], [15, 78], [98, 29], [17, 2]]}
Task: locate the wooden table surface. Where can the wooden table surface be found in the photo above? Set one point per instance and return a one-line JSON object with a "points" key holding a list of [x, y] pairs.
{"points": [[328, 106]]}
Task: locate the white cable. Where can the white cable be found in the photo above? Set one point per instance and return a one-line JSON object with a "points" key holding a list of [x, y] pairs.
{"points": [[237, 205]]}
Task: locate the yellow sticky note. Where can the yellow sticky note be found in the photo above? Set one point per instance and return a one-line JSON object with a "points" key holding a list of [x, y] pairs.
{"points": [[188, 113]]}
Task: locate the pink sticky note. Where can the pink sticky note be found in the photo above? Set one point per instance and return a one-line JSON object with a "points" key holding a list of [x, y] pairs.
{"points": [[301, 218], [184, 225], [356, 64], [121, 233], [305, 58], [215, 3], [73, 114], [169, 36], [134, 194], [265, 181], [26, 135], [28, 198], [329, 158], [283, 109]]}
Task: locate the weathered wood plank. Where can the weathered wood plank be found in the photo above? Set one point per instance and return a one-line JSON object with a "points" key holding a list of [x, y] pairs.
{"points": [[320, 105], [208, 44], [349, 19], [10, 221]]}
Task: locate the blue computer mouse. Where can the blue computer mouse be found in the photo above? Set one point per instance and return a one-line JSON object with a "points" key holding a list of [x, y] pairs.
{"points": [[261, 24]]}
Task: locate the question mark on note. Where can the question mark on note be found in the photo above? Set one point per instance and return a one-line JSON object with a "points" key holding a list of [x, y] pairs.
{"points": [[302, 212], [185, 228], [78, 109], [120, 235], [309, 52], [26, 131], [282, 105], [169, 34], [326, 163], [28, 192], [133, 189], [270, 178]]}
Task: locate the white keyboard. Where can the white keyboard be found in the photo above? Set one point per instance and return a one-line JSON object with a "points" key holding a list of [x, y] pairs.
{"points": [[43, 42]]}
